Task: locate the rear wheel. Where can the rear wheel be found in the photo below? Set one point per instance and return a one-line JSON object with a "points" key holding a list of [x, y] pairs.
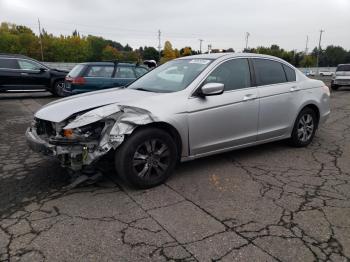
{"points": [[334, 87], [147, 158], [58, 88], [304, 128]]}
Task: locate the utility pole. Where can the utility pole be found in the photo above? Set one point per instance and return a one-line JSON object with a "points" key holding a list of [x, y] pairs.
{"points": [[307, 44], [209, 49], [159, 45], [200, 45], [319, 49], [41, 41], [246, 40]]}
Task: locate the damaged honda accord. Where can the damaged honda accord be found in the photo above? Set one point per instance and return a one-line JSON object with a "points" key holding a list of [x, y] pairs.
{"points": [[185, 109]]}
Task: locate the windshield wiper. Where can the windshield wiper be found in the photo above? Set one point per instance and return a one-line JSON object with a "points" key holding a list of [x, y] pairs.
{"points": [[143, 89]]}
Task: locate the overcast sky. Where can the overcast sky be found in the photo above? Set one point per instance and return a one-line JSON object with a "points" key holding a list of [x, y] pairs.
{"points": [[222, 23]]}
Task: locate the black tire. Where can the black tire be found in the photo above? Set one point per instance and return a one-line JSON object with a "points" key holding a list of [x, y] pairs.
{"points": [[147, 158], [334, 87], [57, 89], [305, 135]]}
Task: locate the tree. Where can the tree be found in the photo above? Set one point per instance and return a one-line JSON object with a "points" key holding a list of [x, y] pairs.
{"points": [[177, 53], [168, 53], [186, 51], [308, 61], [127, 48], [150, 53], [110, 53]]}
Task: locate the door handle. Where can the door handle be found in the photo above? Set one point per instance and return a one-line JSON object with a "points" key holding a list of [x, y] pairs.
{"points": [[294, 89], [24, 74], [248, 97]]}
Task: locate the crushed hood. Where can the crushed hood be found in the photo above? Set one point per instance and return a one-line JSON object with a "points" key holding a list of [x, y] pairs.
{"points": [[60, 110]]}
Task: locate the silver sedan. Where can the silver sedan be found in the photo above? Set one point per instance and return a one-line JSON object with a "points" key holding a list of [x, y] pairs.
{"points": [[185, 109]]}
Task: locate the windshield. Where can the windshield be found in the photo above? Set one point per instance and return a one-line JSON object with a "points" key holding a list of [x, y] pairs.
{"points": [[172, 76]]}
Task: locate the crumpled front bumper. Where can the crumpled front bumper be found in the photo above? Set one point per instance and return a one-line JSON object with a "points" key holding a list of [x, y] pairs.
{"points": [[70, 155], [38, 145]]}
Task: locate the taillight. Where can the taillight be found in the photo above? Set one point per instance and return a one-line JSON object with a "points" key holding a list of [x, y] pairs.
{"points": [[77, 80]]}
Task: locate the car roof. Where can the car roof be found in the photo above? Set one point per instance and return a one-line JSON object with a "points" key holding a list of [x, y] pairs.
{"points": [[215, 56], [107, 63], [4, 55]]}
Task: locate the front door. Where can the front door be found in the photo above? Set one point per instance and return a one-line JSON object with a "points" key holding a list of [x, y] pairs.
{"points": [[32, 75], [227, 120]]}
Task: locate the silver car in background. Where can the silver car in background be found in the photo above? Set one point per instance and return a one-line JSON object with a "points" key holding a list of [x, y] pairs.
{"points": [[184, 109], [342, 76]]}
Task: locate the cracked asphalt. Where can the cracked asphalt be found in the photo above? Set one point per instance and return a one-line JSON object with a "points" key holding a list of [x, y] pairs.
{"points": [[266, 203]]}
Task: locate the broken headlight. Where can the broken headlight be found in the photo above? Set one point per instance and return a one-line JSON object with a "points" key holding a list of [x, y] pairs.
{"points": [[88, 132]]}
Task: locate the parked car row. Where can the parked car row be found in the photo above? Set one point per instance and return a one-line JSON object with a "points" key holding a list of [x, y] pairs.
{"points": [[21, 73], [88, 77], [187, 108]]}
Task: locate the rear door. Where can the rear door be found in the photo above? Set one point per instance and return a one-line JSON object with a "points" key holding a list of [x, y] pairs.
{"points": [[279, 96], [123, 75], [97, 77]]}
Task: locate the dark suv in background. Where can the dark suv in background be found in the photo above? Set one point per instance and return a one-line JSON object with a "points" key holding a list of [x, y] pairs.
{"points": [[92, 76], [21, 73]]}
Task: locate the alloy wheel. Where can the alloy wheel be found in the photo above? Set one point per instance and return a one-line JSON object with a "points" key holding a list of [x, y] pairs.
{"points": [[305, 127], [151, 159]]}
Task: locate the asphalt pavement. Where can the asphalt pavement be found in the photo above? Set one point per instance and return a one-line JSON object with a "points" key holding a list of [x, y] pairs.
{"points": [[267, 203]]}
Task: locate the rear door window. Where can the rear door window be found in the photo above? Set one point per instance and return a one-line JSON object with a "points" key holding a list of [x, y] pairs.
{"points": [[100, 71], [6, 63], [124, 72], [290, 73], [269, 72]]}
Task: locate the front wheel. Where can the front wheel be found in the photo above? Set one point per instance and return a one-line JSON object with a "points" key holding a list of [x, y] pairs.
{"points": [[58, 88], [304, 128], [147, 158]]}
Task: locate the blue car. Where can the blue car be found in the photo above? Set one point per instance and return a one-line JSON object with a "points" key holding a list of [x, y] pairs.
{"points": [[92, 76]]}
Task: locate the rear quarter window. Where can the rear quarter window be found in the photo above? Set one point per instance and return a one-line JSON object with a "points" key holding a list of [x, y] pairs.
{"points": [[290, 73], [140, 71], [124, 72], [6, 63], [269, 72]]}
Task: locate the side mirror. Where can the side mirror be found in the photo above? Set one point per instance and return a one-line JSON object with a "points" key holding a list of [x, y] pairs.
{"points": [[42, 69], [212, 89]]}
